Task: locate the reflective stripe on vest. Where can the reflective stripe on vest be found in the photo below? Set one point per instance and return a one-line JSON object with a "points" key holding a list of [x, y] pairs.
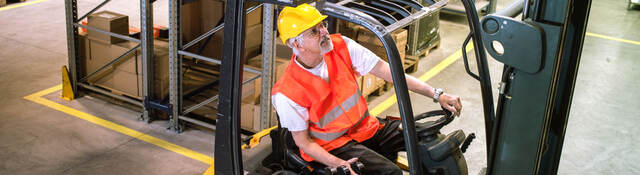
{"points": [[334, 135], [337, 111]]}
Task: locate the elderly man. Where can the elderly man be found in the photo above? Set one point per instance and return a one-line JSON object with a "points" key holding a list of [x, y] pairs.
{"points": [[318, 98]]}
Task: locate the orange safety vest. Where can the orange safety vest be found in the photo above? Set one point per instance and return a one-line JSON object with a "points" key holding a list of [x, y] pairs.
{"points": [[337, 111]]}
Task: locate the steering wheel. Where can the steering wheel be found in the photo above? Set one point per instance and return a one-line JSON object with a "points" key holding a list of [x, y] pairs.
{"points": [[430, 128]]}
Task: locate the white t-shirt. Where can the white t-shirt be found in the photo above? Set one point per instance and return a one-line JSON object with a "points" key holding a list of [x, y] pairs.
{"points": [[295, 117]]}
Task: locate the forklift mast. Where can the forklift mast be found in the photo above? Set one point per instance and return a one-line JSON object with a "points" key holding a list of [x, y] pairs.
{"points": [[525, 135], [540, 53]]}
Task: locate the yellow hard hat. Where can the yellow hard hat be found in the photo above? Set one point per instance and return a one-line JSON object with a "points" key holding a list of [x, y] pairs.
{"points": [[293, 21]]}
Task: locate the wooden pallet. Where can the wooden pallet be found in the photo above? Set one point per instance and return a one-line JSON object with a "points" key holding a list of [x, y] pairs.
{"points": [[5, 2], [118, 92], [432, 46], [112, 100], [410, 63], [424, 52], [379, 91]]}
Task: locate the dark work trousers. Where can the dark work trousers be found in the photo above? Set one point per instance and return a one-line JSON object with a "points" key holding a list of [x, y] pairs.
{"points": [[379, 153]]}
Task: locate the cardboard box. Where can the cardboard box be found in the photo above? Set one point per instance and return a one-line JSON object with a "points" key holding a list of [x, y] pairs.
{"points": [[256, 63], [161, 58], [371, 83], [122, 82], [111, 22], [253, 41], [102, 53], [283, 51], [252, 44], [161, 68], [250, 117], [122, 76], [382, 53], [254, 18], [367, 39], [119, 76], [359, 81], [190, 21], [211, 15], [212, 12], [366, 36], [281, 64], [84, 52], [132, 62], [251, 89], [348, 29]]}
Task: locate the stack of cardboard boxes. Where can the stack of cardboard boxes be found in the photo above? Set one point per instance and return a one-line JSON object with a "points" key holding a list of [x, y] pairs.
{"points": [[251, 96], [367, 39], [125, 76], [98, 49], [370, 83], [200, 16]]}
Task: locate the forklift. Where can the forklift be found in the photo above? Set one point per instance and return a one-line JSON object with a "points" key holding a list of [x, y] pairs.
{"points": [[525, 133]]}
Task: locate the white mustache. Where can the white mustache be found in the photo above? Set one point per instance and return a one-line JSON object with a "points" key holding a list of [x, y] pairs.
{"points": [[325, 38]]}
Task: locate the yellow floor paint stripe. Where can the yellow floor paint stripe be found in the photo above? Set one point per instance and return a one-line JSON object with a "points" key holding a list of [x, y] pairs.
{"points": [[44, 92], [37, 98], [21, 5], [613, 38], [425, 77]]}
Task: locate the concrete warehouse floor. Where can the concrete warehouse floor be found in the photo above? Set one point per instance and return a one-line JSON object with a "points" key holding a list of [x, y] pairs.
{"points": [[35, 139]]}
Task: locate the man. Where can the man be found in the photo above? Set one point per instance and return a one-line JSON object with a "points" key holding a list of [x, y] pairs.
{"points": [[318, 99]]}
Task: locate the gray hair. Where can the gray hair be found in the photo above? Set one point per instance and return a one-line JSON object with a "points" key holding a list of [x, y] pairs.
{"points": [[300, 41]]}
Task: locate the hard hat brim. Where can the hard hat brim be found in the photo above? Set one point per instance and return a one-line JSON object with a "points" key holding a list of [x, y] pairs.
{"points": [[311, 24]]}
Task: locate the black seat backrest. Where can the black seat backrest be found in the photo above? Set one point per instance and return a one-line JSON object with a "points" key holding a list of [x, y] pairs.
{"points": [[286, 154]]}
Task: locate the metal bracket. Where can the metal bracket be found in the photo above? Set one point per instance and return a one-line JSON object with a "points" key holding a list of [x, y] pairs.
{"points": [[522, 42], [159, 106]]}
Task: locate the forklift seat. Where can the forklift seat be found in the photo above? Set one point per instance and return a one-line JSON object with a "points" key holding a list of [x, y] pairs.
{"points": [[285, 155]]}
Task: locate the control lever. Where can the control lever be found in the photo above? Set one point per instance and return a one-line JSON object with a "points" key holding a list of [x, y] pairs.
{"points": [[467, 142], [343, 170]]}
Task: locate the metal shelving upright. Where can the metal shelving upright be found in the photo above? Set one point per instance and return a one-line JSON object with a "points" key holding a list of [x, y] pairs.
{"points": [[150, 103], [177, 50], [145, 43]]}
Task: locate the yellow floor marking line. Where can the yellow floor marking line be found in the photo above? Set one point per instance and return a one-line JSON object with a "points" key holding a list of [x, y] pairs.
{"points": [[21, 5], [425, 77], [37, 98], [613, 38]]}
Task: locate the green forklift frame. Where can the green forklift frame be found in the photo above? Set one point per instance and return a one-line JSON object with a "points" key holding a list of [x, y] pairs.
{"points": [[526, 133]]}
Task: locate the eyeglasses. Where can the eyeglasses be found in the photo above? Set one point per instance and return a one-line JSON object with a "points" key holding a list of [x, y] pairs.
{"points": [[315, 31]]}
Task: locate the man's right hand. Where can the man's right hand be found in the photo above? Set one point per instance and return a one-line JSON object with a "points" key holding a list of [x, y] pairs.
{"points": [[304, 142], [348, 164]]}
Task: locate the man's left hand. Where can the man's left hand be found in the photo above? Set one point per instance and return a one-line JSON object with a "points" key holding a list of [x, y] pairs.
{"points": [[451, 103]]}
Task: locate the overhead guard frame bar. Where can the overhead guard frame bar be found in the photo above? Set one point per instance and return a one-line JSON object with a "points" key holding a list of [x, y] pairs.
{"points": [[400, 85]]}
